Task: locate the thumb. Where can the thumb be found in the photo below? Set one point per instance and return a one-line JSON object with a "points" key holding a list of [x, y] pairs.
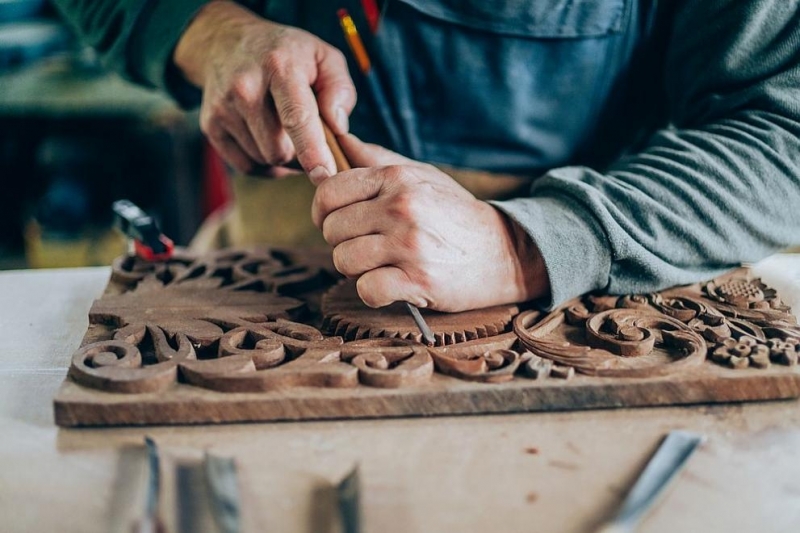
{"points": [[336, 94], [361, 154]]}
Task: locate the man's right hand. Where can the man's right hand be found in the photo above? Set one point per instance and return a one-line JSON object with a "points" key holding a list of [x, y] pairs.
{"points": [[265, 86]]}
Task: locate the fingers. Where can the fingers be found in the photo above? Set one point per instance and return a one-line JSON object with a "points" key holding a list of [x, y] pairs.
{"points": [[344, 189], [278, 81], [229, 148], [272, 139], [239, 132], [293, 89], [386, 285], [349, 222], [299, 116], [336, 94], [361, 154], [357, 256], [256, 111]]}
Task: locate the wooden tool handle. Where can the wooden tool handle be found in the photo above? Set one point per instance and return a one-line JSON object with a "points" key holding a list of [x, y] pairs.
{"points": [[338, 155]]}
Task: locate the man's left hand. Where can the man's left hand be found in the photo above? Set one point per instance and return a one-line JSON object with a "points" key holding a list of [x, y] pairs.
{"points": [[409, 232]]}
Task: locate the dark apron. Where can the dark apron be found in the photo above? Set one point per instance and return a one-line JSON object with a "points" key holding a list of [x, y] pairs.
{"points": [[506, 86]]}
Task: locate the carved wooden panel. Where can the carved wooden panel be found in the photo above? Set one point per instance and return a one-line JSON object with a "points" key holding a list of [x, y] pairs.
{"points": [[275, 335]]}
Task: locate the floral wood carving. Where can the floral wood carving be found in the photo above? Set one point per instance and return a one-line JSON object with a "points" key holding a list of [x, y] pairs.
{"points": [[268, 335], [614, 343], [247, 322], [221, 322], [739, 322]]}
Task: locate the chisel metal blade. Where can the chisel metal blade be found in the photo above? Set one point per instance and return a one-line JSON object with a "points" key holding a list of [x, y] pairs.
{"points": [[223, 488], [348, 493], [669, 459]]}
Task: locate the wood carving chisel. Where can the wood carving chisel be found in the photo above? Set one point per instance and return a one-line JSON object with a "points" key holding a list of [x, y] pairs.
{"points": [[348, 494], [142, 231], [343, 164], [670, 458], [221, 478], [151, 519]]}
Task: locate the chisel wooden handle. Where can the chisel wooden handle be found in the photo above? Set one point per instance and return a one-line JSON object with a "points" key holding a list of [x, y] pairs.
{"points": [[338, 155]]}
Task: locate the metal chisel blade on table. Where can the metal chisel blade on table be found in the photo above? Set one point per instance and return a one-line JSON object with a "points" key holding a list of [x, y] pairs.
{"points": [[669, 459], [223, 487], [150, 521], [348, 493]]}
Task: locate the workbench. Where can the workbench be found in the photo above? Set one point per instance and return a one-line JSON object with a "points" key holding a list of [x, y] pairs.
{"points": [[563, 471]]}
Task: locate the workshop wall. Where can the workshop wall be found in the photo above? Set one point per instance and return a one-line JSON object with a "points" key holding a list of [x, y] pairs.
{"points": [[74, 138]]}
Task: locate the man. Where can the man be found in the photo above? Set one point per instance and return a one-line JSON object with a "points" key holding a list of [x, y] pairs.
{"points": [[664, 136]]}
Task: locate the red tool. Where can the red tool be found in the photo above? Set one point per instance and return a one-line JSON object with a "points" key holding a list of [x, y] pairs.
{"points": [[372, 13], [148, 241]]}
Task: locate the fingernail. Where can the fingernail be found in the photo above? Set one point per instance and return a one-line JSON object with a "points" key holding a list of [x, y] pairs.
{"points": [[342, 122], [318, 174]]}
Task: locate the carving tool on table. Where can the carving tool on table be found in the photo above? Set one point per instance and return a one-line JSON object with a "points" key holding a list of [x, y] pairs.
{"points": [[668, 461], [343, 164], [348, 494], [220, 474], [142, 232], [151, 519]]}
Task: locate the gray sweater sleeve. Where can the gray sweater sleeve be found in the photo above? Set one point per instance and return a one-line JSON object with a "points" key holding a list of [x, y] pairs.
{"points": [[720, 187]]}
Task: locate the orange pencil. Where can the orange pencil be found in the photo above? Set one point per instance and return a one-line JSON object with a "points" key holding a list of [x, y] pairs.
{"points": [[354, 40]]}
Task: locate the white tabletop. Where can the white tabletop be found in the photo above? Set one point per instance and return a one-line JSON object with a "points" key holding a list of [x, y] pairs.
{"points": [[427, 475]]}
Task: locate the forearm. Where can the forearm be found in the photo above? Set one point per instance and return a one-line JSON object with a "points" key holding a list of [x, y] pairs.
{"points": [[528, 278]]}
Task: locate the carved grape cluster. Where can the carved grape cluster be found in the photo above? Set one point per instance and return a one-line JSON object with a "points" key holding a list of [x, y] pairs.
{"points": [[745, 293]]}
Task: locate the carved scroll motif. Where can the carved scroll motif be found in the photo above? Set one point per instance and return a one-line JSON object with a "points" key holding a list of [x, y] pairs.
{"points": [[483, 360], [616, 343], [118, 365], [388, 362], [253, 358], [270, 356]]}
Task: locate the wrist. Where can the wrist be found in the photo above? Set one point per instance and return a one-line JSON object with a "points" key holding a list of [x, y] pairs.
{"points": [[527, 272]]}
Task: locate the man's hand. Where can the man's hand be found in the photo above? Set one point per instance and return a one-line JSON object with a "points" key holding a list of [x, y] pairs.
{"points": [[264, 88], [408, 232]]}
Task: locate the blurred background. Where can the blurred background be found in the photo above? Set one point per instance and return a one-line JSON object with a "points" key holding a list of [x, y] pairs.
{"points": [[74, 138]]}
